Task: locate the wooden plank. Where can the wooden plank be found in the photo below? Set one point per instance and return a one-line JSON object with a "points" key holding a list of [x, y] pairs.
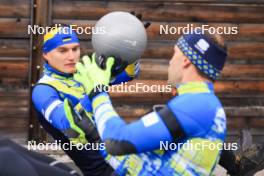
{"points": [[231, 93], [168, 30], [17, 93], [138, 110], [9, 102], [41, 15], [236, 93], [237, 117], [14, 48], [223, 87], [164, 50], [14, 28], [150, 69], [14, 121], [236, 123], [257, 122], [236, 50], [19, 112], [13, 83], [234, 31], [158, 69], [17, 69], [15, 9], [199, 1], [245, 111], [161, 11]]}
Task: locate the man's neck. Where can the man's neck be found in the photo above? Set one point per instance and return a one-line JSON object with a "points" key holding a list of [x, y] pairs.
{"points": [[191, 75], [194, 78]]}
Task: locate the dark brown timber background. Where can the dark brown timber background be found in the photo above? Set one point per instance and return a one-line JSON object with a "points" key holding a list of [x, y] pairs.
{"points": [[241, 87]]}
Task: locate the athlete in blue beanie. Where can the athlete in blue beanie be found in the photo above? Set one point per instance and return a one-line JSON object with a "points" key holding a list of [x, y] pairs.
{"points": [[194, 118], [61, 51]]}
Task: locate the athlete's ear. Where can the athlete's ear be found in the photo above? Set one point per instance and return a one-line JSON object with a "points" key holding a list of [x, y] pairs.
{"points": [[45, 57], [186, 62]]}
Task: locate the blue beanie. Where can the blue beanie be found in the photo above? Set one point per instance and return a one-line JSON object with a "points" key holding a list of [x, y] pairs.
{"points": [[57, 37], [203, 53]]}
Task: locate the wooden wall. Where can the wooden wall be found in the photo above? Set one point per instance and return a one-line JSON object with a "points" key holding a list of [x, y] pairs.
{"points": [[14, 59], [241, 87]]}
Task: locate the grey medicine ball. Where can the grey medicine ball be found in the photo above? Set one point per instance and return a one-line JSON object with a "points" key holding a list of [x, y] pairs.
{"points": [[123, 36]]}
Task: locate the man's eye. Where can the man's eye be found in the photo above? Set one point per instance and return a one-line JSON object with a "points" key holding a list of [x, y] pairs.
{"points": [[62, 51], [74, 49]]}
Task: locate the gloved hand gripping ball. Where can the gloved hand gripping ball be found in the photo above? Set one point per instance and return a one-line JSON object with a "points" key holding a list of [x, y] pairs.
{"points": [[91, 75]]}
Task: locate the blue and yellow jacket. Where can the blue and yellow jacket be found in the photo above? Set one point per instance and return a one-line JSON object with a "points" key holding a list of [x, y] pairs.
{"points": [[194, 121], [48, 95]]}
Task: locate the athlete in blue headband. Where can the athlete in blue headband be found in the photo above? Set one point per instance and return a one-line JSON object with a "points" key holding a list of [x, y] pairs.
{"points": [[61, 51], [195, 117]]}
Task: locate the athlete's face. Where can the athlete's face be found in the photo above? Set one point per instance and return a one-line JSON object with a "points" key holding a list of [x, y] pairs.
{"points": [[64, 58], [175, 70]]}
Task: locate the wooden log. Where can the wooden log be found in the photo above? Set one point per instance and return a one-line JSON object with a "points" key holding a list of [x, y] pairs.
{"points": [[41, 15], [13, 83], [161, 11], [14, 28], [17, 69], [223, 87], [138, 110], [18, 93], [15, 9], [168, 31], [14, 112], [157, 69], [150, 69], [236, 123], [234, 86], [256, 122], [164, 50], [200, 1], [237, 117], [13, 122], [245, 111], [9, 102], [14, 48]]}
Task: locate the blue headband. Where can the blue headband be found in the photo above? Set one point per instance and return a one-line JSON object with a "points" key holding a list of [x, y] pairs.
{"points": [[59, 36], [203, 53]]}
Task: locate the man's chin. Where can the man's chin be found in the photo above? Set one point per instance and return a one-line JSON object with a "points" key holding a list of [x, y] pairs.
{"points": [[70, 71]]}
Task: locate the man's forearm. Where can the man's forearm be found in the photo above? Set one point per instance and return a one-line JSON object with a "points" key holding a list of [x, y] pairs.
{"points": [[122, 138]]}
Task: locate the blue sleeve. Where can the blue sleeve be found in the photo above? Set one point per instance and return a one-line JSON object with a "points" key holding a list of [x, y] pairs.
{"points": [[47, 102], [122, 138], [196, 119]]}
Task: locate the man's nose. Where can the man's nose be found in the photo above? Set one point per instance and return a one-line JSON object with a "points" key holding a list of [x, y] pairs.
{"points": [[71, 55]]}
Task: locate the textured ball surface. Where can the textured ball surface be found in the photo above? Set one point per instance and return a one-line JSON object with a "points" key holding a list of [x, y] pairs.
{"points": [[124, 36]]}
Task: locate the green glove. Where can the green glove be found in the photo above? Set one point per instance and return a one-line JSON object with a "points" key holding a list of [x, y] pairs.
{"points": [[91, 75], [82, 128]]}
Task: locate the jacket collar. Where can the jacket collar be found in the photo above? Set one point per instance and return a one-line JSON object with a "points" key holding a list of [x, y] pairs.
{"points": [[48, 70], [195, 87]]}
